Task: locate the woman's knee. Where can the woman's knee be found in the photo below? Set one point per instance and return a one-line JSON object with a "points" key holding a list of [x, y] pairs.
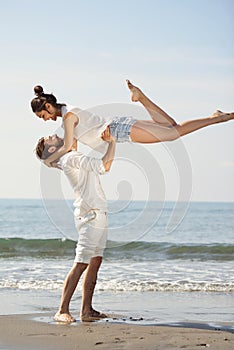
{"points": [[174, 133]]}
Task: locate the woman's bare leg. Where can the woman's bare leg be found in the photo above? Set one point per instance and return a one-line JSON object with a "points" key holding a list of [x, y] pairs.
{"points": [[157, 114], [144, 131], [164, 127]]}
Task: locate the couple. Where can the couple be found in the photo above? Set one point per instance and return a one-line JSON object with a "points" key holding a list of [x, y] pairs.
{"points": [[83, 172]]}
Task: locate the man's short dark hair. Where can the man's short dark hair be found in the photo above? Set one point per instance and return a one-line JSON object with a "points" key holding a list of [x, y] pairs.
{"points": [[42, 149]]}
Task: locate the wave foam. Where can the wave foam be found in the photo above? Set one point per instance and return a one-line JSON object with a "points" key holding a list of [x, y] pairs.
{"points": [[125, 286]]}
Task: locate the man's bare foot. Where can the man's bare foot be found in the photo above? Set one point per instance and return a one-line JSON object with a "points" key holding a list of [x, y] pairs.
{"points": [[93, 315], [136, 93], [65, 318], [223, 116]]}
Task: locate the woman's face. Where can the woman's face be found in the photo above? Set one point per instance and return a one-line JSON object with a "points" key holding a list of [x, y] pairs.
{"points": [[49, 114]]}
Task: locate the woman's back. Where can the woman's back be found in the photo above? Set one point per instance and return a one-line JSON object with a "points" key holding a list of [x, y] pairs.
{"points": [[89, 129]]}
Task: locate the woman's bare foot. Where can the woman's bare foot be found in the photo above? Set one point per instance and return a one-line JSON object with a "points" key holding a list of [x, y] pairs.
{"points": [[224, 117], [91, 316], [65, 318], [217, 113], [136, 93]]}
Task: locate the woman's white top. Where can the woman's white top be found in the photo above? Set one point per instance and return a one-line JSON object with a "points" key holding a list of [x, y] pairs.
{"points": [[89, 128]]}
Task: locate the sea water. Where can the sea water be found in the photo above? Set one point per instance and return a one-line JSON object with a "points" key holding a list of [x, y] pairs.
{"points": [[158, 267]]}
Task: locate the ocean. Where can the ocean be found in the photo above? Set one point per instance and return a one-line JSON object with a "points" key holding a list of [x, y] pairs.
{"points": [[162, 264]]}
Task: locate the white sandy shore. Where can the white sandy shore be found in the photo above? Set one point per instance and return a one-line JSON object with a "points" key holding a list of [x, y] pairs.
{"points": [[22, 332]]}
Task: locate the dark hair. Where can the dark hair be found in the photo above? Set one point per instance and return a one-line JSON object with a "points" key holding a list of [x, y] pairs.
{"points": [[38, 103], [42, 149]]}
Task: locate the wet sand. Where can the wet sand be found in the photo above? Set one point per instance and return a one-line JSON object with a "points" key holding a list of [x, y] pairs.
{"points": [[28, 332]]}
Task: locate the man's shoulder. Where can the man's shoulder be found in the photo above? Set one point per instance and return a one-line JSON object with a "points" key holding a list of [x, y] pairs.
{"points": [[67, 158], [71, 154], [75, 159]]}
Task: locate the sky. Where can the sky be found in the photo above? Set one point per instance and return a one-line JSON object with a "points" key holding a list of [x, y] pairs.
{"points": [[180, 52]]}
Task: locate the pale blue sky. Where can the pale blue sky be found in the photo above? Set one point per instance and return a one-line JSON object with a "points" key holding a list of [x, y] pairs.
{"points": [[179, 51]]}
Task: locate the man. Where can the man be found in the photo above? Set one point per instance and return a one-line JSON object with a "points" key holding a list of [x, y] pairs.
{"points": [[90, 220]]}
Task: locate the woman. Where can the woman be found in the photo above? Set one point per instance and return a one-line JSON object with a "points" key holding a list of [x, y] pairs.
{"points": [[88, 128]]}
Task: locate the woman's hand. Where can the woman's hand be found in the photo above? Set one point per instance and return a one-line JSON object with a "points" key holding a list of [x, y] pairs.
{"points": [[47, 163], [106, 135], [56, 165], [52, 165]]}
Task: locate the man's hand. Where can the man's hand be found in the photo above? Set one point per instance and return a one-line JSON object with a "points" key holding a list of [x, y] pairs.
{"points": [[106, 135], [110, 153]]}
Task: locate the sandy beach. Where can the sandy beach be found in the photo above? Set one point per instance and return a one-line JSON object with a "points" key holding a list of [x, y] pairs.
{"points": [[24, 332], [165, 292]]}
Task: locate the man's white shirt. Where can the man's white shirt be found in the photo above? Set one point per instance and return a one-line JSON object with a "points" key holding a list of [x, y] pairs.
{"points": [[83, 174]]}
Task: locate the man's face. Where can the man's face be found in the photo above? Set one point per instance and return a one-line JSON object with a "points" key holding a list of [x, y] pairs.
{"points": [[54, 141]]}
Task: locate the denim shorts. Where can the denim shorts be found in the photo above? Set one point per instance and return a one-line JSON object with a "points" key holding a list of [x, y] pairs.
{"points": [[121, 127]]}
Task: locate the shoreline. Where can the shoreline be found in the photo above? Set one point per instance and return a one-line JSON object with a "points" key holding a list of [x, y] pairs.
{"points": [[32, 331]]}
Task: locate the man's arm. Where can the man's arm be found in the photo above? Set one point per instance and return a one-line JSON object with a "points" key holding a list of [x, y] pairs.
{"points": [[99, 166], [110, 153]]}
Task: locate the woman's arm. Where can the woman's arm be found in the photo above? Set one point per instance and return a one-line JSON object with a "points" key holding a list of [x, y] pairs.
{"points": [[70, 122]]}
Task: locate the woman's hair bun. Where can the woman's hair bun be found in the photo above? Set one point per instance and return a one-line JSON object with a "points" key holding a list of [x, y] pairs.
{"points": [[38, 90]]}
